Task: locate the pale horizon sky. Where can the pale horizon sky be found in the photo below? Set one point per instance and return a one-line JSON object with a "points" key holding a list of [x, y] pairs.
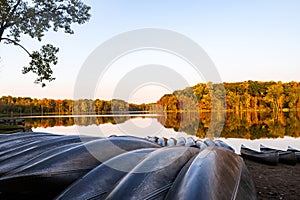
{"points": [[246, 40]]}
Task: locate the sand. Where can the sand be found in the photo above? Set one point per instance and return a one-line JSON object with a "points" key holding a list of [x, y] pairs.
{"points": [[275, 182]]}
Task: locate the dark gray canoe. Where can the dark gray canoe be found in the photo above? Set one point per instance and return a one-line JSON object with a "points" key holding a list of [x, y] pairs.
{"points": [[296, 151], [28, 142], [286, 157], [271, 158], [214, 174], [23, 145], [44, 156], [17, 158], [50, 176], [153, 176], [23, 138], [24, 135], [100, 181]]}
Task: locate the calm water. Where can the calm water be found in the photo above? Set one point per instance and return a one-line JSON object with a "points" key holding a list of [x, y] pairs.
{"points": [[249, 128]]}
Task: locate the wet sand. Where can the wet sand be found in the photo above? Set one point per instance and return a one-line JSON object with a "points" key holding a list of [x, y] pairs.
{"points": [[275, 182]]}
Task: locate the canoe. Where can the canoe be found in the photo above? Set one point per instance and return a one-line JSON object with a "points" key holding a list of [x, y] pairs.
{"points": [[215, 173], [23, 139], [270, 158], [223, 144], [297, 152], [44, 156], [162, 141], [171, 142], [152, 181], [201, 145], [98, 183], [16, 159], [210, 143], [181, 141], [23, 145], [31, 143], [190, 142], [24, 135], [51, 176], [285, 157], [152, 138]]}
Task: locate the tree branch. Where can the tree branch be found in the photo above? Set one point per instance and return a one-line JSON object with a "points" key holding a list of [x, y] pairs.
{"points": [[6, 23], [13, 10], [16, 43]]}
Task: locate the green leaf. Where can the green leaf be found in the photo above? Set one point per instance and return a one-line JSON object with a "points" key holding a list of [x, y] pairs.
{"points": [[40, 64]]}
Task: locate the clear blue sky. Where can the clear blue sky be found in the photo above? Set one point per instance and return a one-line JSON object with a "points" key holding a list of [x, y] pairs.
{"points": [[257, 40]]}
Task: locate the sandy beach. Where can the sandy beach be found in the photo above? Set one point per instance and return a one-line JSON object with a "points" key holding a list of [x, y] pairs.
{"points": [[275, 182]]}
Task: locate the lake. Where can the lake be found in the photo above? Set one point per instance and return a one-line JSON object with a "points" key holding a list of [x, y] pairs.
{"points": [[248, 128]]}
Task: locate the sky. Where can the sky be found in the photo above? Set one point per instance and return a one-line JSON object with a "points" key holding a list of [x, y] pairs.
{"points": [[246, 40]]}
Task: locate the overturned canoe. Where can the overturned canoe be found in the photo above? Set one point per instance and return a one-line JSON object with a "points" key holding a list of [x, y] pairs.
{"points": [[50, 176], [100, 181], [23, 145], [24, 135], [296, 151], [23, 138], [181, 141], [200, 144], [44, 156], [270, 158], [190, 142], [153, 176], [162, 141], [286, 157], [120, 167], [210, 143], [17, 158], [221, 143], [171, 142], [214, 174]]}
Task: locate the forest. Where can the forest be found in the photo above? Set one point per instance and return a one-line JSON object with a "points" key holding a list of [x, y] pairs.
{"points": [[239, 96], [27, 106]]}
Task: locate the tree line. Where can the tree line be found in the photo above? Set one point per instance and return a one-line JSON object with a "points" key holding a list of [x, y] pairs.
{"points": [[239, 96], [25, 105]]}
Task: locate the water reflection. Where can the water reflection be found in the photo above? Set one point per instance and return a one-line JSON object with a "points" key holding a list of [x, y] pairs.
{"points": [[248, 125], [87, 120]]}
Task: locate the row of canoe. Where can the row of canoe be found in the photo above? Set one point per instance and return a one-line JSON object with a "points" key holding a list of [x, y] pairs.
{"points": [[190, 142], [272, 156], [48, 166]]}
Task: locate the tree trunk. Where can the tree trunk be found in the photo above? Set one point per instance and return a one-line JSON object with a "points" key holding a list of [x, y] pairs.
{"points": [[1, 33]]}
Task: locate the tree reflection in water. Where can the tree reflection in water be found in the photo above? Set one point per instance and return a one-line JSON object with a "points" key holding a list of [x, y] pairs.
{"points": [[248, 125]]}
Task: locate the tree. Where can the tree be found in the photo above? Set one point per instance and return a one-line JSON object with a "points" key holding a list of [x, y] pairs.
{"points": [[293, 97], [35, 18], [275, 96]]}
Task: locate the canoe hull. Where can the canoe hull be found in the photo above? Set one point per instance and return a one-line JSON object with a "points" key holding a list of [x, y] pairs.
{"points": [[271, 158], [215, 173]]}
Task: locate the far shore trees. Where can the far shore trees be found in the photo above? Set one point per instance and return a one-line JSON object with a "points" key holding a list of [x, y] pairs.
{"points": [[243, 96]]}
